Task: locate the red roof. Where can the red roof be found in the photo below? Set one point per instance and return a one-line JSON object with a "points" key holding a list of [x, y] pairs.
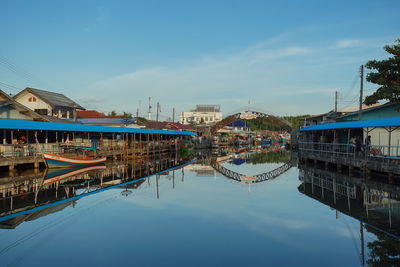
{"points": [[89, 114]]}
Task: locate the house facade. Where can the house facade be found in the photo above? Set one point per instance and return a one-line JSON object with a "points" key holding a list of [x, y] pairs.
{"points": [[48, 103]]}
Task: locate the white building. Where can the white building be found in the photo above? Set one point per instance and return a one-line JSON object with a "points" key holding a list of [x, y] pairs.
{"points": [[206, 114], [47, 103]]}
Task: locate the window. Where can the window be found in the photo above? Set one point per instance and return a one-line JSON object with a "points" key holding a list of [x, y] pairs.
{"points": [[32, 99]]}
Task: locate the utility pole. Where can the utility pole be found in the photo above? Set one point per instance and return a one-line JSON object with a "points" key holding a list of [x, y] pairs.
{"points": [[137, 113], [158, 107], [361, 92], [173, 115], [336, 97]]}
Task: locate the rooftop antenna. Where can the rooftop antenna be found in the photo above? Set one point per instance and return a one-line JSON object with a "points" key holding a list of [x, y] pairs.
{"points": [[140, 107], [149, 113]]}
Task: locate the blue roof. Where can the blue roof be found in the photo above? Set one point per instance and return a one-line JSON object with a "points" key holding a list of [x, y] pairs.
{"points": [[75, 127], [239, 124], [388, 122]]}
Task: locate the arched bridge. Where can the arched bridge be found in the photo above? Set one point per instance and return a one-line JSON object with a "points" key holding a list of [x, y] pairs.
{"points": [[247, 115], [253, 179]]}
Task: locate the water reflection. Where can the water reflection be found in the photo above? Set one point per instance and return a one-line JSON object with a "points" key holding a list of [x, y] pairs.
{"points": [[26, 198], [372, 202], [281, 216]]}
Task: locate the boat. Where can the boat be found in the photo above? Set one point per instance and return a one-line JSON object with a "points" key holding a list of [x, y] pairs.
{"points": [[63, 174], [56, 161]]}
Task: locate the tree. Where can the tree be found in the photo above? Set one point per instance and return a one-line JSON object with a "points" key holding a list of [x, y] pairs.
{"points": [[112, 113], [127, 115], [387, 76]]}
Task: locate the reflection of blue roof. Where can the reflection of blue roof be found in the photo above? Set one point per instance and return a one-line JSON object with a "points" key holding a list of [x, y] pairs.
{"points": [[75, 127], [239, 124], [240, 161], [355, 124]]}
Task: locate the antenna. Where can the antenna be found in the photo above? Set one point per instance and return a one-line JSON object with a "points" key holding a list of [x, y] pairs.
{"points": [[149, 113]]}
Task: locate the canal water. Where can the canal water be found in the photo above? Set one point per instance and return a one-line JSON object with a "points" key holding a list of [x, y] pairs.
{"points": [[192, 215]]}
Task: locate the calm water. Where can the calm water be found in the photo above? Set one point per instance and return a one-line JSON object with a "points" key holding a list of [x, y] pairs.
{"points": [[195, 216]]}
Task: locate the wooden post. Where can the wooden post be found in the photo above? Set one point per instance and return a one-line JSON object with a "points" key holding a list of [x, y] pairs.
{"points": [[134, 145], [390, 139]]}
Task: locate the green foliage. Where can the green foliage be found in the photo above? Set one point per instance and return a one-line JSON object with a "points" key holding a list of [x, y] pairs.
{"points": [[296, 121], [127, 115], [270, 157], [112, 113], [384, 251], [201, 121], [387, 75], [270, 123], [141, 119]]}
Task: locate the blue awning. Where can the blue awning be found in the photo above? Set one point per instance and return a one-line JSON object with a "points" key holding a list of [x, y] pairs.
{"points": [[75, 127], [388, 122]]}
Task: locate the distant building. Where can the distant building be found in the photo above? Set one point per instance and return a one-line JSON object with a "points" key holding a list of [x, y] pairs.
{"points": [[97, 118], [239, 126], [47, 103], [206, 114]]}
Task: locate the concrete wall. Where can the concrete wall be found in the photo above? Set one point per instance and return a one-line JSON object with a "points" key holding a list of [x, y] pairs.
{"points": [[380, 137]]}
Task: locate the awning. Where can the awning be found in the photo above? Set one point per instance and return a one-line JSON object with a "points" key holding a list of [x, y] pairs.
{"points": [[388, 122], [75, 127]]}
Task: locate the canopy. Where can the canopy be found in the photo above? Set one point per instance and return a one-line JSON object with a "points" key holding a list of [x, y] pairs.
{"points": [[75, 127], [388, 122]]}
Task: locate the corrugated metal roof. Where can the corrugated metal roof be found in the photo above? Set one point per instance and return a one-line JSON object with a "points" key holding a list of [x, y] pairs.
{"points": [[74, 127], [55, 99], [394, 122]]}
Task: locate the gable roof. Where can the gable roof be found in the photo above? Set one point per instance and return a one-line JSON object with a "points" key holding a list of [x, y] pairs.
{"points": [[371, 108], [54, 99], [9, 101]]}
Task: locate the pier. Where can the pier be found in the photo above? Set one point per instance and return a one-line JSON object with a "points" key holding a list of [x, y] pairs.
{"points": [[23, 142], [375, 150]]}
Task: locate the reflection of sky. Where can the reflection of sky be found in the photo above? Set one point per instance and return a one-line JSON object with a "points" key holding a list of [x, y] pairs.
{"points": [[203, 221]]}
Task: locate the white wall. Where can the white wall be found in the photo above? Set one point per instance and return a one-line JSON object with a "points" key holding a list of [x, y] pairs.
{"points": [[39, 104]]}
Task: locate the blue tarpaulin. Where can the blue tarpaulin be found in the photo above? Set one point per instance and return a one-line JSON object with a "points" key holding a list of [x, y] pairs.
{"points": [[388, 122], [75, 127]]}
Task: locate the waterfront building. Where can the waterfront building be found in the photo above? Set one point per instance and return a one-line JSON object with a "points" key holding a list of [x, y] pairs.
{"points": [[10, 109], [333, 116], [347, 144], [202, 114], [388, 110], [48, 103]]}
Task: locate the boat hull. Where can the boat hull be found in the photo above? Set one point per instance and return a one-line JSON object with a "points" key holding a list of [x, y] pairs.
{"points": [[56, 161]]}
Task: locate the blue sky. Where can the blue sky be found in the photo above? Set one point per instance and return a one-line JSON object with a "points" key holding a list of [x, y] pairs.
{"points": [[286, 57]]}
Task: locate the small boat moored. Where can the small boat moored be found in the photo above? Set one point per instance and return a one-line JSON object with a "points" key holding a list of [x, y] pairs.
{"points": [[56, 161]]}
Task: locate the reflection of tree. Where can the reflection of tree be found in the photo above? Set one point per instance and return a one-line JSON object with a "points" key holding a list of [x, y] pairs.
{"points": [[385, 251], [270, 157]]}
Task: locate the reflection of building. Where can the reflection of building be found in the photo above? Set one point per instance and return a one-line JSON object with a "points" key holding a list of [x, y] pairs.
{"points": [[202, 114], [202, 170], [368, 201], [375, 204]]}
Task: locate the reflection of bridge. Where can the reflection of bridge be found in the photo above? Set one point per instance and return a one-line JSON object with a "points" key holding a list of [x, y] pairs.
{"points": [[259, 178], [246, 115]]}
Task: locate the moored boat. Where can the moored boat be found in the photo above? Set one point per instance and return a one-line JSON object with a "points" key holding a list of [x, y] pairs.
{"points": [[56, 161], [63, 174]]}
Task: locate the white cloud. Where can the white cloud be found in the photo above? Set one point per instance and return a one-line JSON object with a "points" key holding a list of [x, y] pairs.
{"points": [[346, 43], [265, 73]]}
